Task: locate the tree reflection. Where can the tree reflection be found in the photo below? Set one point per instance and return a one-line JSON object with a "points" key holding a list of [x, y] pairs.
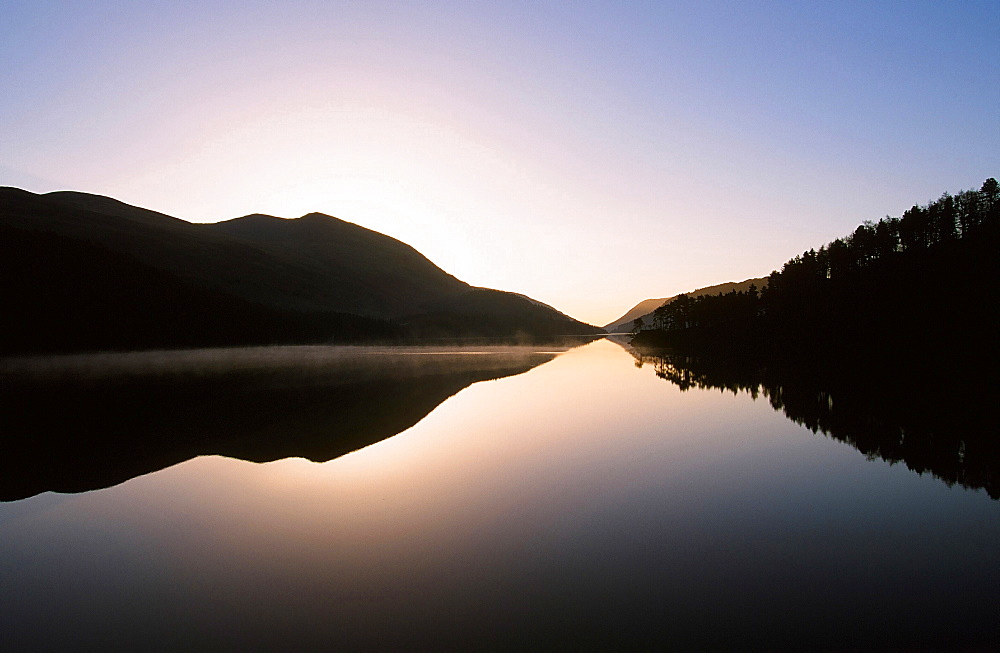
{"points": [[936, 422]]}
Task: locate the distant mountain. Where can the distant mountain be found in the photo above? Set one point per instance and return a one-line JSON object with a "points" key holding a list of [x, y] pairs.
{"points": [[82, 272], [645, 308]]}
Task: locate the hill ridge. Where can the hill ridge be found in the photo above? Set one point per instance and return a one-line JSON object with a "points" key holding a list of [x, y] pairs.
{"points": [[307, 272], [645, 308]]}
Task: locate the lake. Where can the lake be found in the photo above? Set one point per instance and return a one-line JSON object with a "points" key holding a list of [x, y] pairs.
{"points": [[533, 498]]}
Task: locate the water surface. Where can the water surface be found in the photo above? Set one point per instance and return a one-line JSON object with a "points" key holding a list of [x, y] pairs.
{"points": [[583, 503]]}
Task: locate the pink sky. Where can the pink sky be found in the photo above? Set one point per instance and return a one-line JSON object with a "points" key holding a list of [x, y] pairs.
{"points": [[589, 155]]}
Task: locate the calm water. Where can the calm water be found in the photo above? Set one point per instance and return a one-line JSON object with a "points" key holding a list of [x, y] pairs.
{"points": [[576, 502]]}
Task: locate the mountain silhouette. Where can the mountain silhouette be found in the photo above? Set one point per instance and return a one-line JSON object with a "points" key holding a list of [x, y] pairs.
{"points": [[645, 308], [83, 272]]}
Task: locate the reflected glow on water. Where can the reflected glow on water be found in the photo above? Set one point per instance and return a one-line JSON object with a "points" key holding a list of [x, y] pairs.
{"points": [[583, 503]]}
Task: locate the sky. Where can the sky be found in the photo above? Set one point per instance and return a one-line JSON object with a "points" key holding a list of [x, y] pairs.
{"points": [[587, 154]]}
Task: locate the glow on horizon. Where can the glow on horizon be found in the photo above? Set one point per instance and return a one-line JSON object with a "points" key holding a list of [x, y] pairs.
{"points": [[587, 155]]}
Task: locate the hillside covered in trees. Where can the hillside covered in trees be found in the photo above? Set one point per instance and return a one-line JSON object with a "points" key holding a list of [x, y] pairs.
{"points": [[922, 284], [645, 308]]}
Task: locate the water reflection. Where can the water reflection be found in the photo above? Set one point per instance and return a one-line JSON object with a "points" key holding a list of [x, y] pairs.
{"points": [[932, 425], [583, 505], [74, 423]]}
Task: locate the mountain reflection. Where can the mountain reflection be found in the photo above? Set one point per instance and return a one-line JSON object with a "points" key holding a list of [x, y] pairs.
{"points": [[76, 423], [935, 421]]}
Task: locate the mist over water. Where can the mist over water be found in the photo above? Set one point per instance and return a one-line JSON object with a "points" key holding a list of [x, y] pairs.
{"points": [[555, 500]]}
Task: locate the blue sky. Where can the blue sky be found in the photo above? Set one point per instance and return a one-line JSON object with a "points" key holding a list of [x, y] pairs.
{"points": [[587, 154]]}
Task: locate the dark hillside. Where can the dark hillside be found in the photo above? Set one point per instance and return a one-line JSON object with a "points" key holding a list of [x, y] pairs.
{"points": [[365, 263], [645, 308], [494, 313], [911, 290], [211, 261], [113, 207], [83, 272], [66, 295]]}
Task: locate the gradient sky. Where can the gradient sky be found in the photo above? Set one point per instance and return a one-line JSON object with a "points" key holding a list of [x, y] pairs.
{"points": [[588, 154]]}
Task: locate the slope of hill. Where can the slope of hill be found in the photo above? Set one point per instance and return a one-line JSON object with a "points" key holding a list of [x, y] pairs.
{"points": [[361, 270], [645, 308], [110, 206], [915, 290], [84, 272]]}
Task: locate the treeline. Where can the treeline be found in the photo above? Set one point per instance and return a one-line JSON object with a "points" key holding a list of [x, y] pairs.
{"points": [[925, 279]]}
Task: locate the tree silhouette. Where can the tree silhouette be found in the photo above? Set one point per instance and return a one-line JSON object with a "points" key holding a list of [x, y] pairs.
{"points": [[920, 281]]}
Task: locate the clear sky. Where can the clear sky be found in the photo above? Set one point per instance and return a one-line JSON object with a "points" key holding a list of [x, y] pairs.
{"points": [[588, 154]]}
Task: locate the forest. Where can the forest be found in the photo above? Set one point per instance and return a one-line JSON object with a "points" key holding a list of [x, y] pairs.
{"points": [[922, 283]]}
